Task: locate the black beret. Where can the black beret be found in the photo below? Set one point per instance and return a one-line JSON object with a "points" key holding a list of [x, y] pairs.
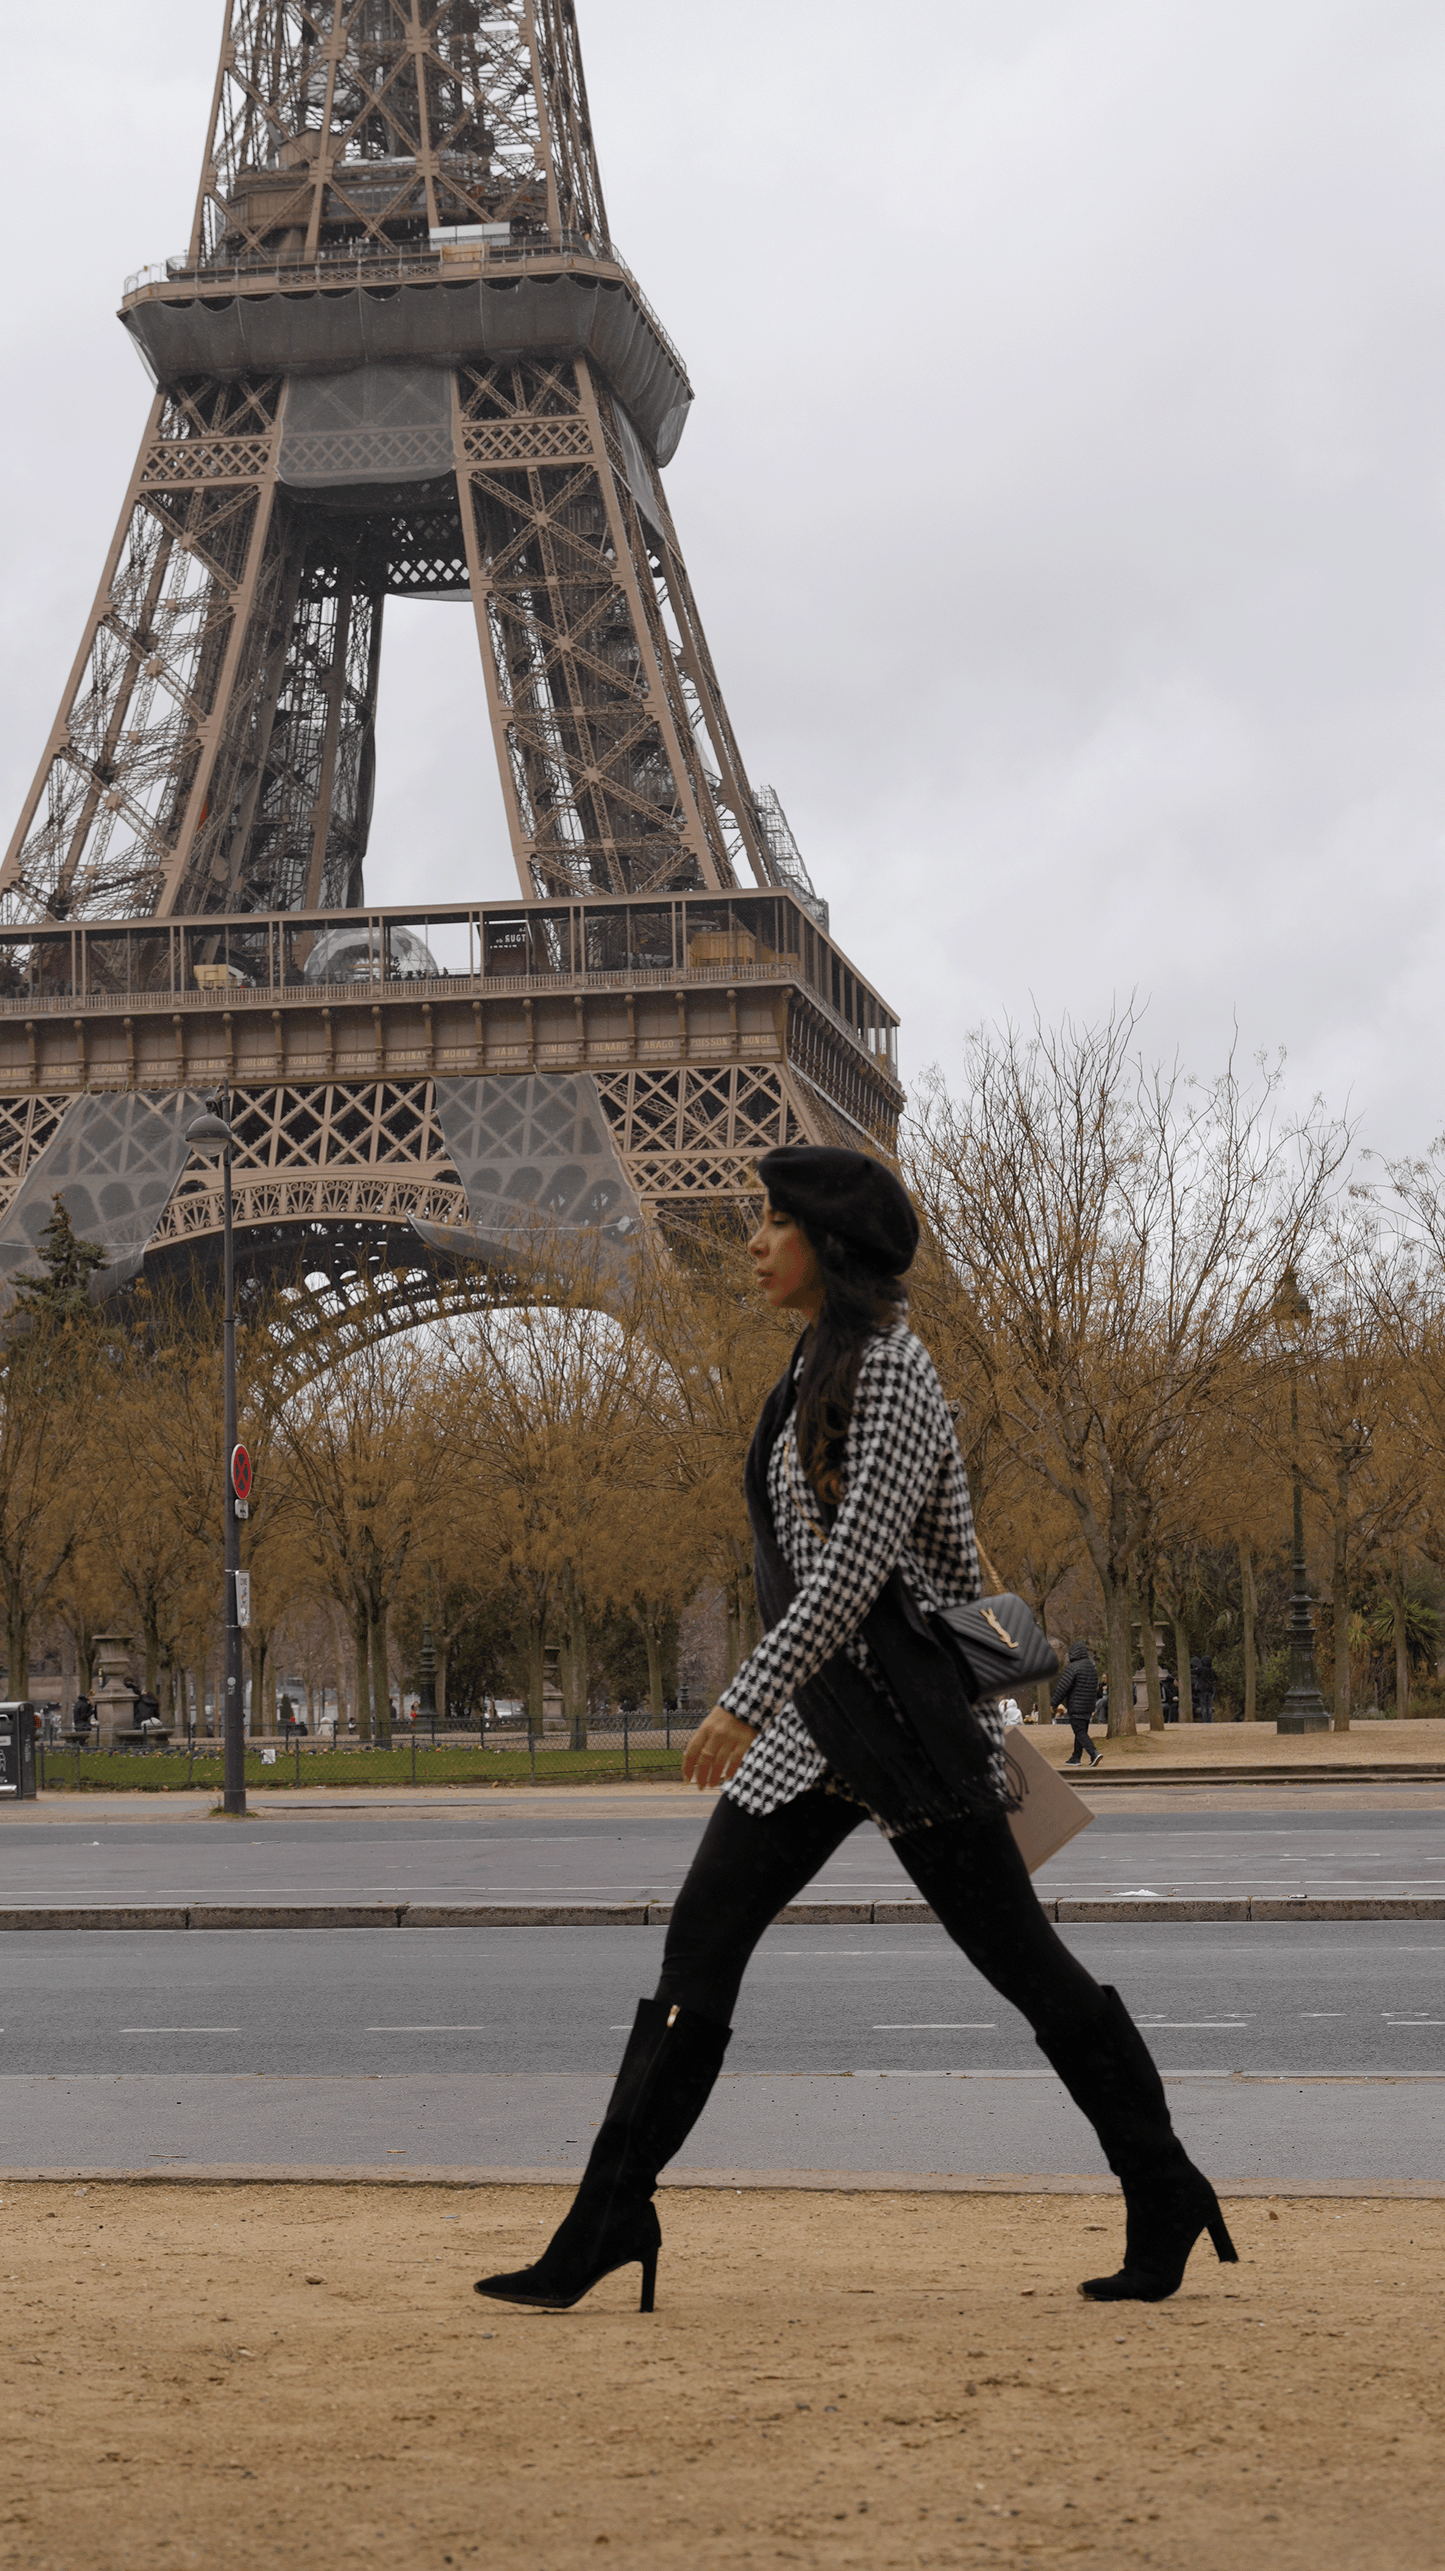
{"points": [[856, 1199]]}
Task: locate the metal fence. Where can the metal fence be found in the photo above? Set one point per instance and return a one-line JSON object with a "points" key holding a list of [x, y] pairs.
{"points": [[621, 1748]]}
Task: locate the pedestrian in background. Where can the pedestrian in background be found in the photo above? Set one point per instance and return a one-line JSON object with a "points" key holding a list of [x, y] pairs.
{"points": [[1076, 1693], [852, 1707]]}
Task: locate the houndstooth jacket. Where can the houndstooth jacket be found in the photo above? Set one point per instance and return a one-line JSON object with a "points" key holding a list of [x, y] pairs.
{"points": [[905, 1505]]}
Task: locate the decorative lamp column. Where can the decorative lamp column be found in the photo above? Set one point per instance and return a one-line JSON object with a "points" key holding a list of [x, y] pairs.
{"points": [[212, 1133], [1304, 1709], [427, 1672]]}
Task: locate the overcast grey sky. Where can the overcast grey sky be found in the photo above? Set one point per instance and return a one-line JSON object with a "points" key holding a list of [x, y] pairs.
{"points": [[1063, 493]]}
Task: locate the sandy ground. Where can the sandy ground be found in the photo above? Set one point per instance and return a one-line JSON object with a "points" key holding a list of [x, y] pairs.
{"points": [[1226, 1745], [228, 2376]]}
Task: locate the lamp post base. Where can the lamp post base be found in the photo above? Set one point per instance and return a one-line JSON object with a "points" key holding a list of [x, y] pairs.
{"points": [[1306, 1712]]}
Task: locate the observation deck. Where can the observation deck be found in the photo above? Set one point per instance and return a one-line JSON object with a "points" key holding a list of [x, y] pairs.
{"points": [[467, 297], [463, 989], [418, 1089]]}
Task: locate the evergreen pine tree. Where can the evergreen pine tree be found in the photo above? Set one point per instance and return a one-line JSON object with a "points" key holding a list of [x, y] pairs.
{"points": [[63, 1293]]}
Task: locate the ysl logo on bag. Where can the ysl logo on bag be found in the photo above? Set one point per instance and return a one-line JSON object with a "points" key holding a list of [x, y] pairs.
{"points": [[1002, 1631]]}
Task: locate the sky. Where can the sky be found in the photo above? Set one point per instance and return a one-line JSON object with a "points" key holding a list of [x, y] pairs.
{"points": [[1064, 492]]}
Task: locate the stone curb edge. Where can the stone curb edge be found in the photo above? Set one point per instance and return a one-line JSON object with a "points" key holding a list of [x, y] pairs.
{"points": [[1338, 1772], [1129, 1911], [840, 2182]]}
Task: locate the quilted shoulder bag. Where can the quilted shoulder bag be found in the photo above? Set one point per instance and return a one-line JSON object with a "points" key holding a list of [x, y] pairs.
{"points": [[998, 1642]]}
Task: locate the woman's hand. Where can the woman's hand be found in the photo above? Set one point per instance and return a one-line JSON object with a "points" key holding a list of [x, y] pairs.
{"points": [[717, 1749]]}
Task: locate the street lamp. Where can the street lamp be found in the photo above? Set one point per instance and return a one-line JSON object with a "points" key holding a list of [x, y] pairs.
{"points": [[211, 1133], [1304, 1709], [427, 1672]]}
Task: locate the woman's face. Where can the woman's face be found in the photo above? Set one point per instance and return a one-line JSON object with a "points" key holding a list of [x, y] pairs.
{"points": [[786, 1265]]}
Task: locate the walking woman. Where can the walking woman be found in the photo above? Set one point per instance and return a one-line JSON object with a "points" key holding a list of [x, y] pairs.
{"points": [[854, 1706]]}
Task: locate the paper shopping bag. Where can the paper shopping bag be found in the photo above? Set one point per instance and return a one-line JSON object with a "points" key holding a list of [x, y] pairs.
{"points": [[1050, 1813]]}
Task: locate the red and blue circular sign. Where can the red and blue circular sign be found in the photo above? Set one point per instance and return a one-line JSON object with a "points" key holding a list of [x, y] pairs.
{"points": [[241, 1472]]}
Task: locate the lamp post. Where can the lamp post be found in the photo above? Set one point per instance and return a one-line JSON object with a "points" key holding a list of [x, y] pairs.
{"points": [[211, 1133], [427, 1672], [1304, 1709]]}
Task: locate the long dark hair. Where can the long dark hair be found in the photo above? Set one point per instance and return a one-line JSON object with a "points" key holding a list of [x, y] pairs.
{"points": [[858, 1301]]}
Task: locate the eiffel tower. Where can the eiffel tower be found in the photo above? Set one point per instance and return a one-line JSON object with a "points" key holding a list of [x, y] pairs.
{"points": [[402, 356]]}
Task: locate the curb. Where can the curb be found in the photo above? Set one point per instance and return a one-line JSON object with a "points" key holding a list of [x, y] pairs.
{"points": [[1406, 1772], [1129, 1910], [838, 2182]]}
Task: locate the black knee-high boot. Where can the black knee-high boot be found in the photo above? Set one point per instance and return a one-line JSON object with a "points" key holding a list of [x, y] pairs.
{"points": [[672, 2060], [1109, 2072]]}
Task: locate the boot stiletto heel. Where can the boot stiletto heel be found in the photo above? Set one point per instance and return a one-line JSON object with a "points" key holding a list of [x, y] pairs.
{"points": [[1224, 2249]]}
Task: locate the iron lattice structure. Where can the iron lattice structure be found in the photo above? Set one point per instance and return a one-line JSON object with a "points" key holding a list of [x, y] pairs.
{"points": [[402, 356]]}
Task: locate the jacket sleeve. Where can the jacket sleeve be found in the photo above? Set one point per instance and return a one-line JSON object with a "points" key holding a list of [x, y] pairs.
{"points": [[898, 1432]]}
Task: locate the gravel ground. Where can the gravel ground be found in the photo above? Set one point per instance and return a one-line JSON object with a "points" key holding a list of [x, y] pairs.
{"points": [[247, 2375]]}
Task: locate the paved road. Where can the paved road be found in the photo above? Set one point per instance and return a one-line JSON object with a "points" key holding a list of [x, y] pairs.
{"points": [[1295, 2053], [351, 1855]]}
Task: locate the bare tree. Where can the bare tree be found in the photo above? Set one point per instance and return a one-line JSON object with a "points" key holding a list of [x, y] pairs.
{"points": [[1346, 1415], [49, 1375], [369, 1474], [552, 1401], [721, 1350], [1118, 1232]]}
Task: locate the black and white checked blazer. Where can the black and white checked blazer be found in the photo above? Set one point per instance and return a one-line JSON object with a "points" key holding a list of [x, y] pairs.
{"points": [[905, 1505]]}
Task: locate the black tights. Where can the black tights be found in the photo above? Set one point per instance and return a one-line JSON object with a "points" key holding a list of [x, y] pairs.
{"points": [[970, 1872]]}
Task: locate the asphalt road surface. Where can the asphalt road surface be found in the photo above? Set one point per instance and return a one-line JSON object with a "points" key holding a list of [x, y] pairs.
{"points": [[1294, 2053], [434, 1854]]}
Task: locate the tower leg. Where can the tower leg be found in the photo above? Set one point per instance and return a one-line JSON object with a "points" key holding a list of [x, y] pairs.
{"points": [[126, 808], [611, 783]]}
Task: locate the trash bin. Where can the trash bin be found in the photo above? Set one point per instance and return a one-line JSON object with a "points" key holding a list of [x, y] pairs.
{"points": [[18, 1727]]}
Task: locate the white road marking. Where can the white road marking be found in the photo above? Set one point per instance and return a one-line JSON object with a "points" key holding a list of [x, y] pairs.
{"points": [[1013, 2075], [935, 2026], [180, 2030], [1167, 2071], [428, 2030]]}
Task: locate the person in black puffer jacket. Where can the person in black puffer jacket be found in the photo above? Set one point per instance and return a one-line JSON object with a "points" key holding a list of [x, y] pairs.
{"points": [[1076, 1693]]}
